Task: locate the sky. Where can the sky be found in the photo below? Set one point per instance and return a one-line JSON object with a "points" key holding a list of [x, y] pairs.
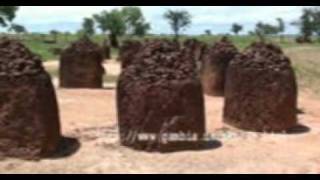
{"points": [[218, 19]]}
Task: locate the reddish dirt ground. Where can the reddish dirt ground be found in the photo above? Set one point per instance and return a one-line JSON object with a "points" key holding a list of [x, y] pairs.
{"points": [[89, 116]]}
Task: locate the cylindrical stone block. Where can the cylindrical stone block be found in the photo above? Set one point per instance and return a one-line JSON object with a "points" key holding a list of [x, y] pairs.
{"points": [[29, 118], [261, 90], [81, 65]]}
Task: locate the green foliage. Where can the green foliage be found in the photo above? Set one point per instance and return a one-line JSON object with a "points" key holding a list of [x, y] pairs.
{"points": [[315, 16], [208, 32], [309, 23], [267, 29], [112, 22], [18, 28], [88, 26], [263, 29], [305, 24], [236, 28], [178, 20], [7, 14], [135, 21], [128, 20], [36, 41]]}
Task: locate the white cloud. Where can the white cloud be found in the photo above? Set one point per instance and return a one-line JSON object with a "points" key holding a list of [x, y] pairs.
{"points": [[216, 18]]}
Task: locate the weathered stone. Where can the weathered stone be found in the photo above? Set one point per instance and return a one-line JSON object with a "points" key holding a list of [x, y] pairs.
{"points": [[196, 47], [159, 94], [215, 63], [261, 90], [81, 65], [29, 120], [127, 52]]}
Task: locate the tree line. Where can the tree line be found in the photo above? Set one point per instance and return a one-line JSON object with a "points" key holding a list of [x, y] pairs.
{"points": [[131, 21]]}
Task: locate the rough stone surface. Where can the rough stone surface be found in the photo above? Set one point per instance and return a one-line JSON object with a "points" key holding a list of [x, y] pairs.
{"points": [[81, 65], [261, 90], [29, 120], [198, 50], [159, 94], [196, 47], [127, 52], [215, 64]]}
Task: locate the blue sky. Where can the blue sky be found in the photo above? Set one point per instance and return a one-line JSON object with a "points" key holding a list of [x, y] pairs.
{"points": [[218, 19]]}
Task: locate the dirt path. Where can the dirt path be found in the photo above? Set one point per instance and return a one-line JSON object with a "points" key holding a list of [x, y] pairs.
{"points": [[90, 116]]}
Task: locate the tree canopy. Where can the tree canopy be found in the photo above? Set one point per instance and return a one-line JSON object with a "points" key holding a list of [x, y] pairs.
{"points": [[17, 28], [135, 21], [236, 28], [88, 26], [7, 14], [178, 20]]}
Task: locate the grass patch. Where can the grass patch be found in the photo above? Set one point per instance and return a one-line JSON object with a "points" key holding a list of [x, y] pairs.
{"points": [[110, 78], [306, 63], [305, 58], [36, 42]]}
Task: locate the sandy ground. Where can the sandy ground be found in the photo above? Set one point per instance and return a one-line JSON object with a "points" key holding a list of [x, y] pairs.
{"points": [[89, 117]]}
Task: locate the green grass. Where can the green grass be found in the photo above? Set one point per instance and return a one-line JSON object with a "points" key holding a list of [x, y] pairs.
{"points": [[36, 44], [306, 63], [305, 58], [110, 78]]}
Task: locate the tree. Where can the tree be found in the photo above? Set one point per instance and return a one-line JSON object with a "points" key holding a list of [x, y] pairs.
{"points": [[315, 16], [88, 26], [178, 20], [306, 25], [54, 34], [141, 29], [208, 32], [7, 14], [112, 22], [135, 21], [263, 29], [19, 29], [281, 28], [236, 28]]}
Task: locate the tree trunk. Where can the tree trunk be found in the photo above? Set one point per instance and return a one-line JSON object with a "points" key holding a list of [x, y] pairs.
{"points": [[261, 37], [113, 40], [176, 36]]}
